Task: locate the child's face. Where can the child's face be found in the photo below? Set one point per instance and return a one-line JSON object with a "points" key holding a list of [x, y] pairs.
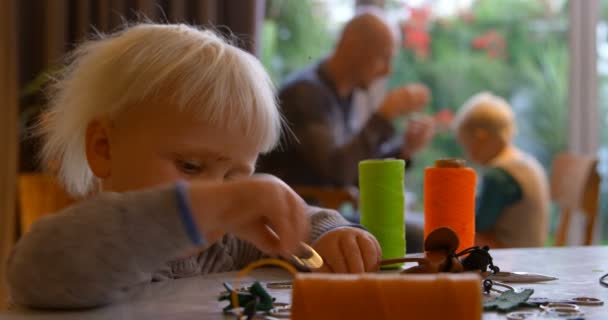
{"points": [[479, 145], [154, 144]]}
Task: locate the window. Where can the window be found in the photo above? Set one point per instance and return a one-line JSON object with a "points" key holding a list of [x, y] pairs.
{"points": [[518, 49], [298, 33], [602, 68]]}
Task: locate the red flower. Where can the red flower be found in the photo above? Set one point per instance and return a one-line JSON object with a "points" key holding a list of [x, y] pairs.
{"points": [[416, 36], [492, 42]]}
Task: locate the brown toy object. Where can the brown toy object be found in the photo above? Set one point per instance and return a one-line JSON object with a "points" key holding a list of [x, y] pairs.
{"points": [[439, 256]]}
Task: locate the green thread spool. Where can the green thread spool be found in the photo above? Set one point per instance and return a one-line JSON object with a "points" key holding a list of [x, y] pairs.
{"points": [[382, 204]]}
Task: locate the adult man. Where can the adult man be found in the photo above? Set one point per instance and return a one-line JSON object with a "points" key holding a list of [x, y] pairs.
{"points": [[325, 148]]}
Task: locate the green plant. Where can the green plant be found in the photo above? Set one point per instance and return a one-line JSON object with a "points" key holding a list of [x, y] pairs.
{"points": [[295, 34], [521, 56]]}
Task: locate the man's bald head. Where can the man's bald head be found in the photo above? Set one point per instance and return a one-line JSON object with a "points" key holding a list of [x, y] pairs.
{"points": [[367, 28], [366, 45]]}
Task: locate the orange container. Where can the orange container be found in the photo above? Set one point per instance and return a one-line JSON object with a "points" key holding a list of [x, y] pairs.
{"points": [[449, 200], [386, 296]]}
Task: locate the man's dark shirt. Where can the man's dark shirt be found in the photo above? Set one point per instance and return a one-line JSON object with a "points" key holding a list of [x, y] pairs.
{"points": [[321, 148]]}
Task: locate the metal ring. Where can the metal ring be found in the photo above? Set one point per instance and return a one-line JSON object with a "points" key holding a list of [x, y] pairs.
{"points": [[588, 301], [281, 305], [563, 312], [518, 315], [559, 305], [279, 285], [500, 284], [281, 312]]}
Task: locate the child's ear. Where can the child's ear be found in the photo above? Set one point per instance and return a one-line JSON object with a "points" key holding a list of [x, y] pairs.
{"points": [[97, 142]]}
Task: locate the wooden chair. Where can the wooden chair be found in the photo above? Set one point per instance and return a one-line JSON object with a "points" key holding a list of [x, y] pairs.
{"points": [[329, 197], [575, 185], [39, 194]]}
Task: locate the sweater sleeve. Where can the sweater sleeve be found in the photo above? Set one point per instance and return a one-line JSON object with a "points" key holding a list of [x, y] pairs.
{"points": [[98, 251]]}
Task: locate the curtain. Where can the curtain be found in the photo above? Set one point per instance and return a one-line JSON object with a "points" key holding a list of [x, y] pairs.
{"points": [[8, 135], [49, 29]]}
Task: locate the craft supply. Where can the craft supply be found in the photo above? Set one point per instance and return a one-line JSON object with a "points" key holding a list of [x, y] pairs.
{"points": [[555, 313], [520, 277], [449, 199], [280, 312], [255, 298], [559, 305], [564, 313], [279, 285], [311, 260], [604, 280], [386, 296], [234, 294], [521, 315], [478, 258], [489, 285], [582, 301], [508, 300], [440, 256], [382, 204]]}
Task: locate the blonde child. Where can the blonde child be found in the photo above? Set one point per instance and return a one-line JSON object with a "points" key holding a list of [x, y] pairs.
{"points": [[160, 127], [513, 197]]}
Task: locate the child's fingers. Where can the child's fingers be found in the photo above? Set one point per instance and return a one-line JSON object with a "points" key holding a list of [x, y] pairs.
{"points": [[378, 248], [288, 243], [324, 269], [370, 252], [333, 258], [286, 212], [261, 236], [297, 215], [352, 253], [337, 263], [288, 222]]}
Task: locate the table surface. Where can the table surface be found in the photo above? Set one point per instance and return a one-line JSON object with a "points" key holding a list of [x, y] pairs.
{"points": [[578, 270]]}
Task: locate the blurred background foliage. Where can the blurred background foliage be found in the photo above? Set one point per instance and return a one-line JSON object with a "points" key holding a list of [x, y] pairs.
{"points": [[515, 48]]}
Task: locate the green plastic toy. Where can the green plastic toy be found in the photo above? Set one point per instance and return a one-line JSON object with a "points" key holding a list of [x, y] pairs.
{"points": [[253, 299]]}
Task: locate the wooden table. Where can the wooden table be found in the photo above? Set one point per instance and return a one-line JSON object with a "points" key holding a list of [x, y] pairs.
{"points": [[578, 270]]}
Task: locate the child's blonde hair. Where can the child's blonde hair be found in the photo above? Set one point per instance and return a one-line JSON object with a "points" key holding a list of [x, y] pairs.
{"points": [[195, 69], [487, 111]]}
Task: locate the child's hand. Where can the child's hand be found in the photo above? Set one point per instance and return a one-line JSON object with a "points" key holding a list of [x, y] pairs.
{"points": [[260, 209], [348, 250]]}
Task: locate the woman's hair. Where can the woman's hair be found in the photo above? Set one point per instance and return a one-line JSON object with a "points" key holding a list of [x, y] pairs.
{"points": [[194, 70], [486, 111]]}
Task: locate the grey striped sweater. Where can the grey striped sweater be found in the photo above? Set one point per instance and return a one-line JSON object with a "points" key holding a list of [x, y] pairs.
{"points": [[103, 249]]}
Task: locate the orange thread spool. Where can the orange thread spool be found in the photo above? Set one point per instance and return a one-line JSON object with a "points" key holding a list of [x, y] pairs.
{"points": [[449, 199]]}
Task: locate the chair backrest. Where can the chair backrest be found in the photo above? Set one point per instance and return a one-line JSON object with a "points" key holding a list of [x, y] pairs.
{"points": [[575, 185], [329, 197], [38, 195]]}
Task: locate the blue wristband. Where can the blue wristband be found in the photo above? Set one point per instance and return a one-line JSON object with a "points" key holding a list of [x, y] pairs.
{"points": [[185, 213]]}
